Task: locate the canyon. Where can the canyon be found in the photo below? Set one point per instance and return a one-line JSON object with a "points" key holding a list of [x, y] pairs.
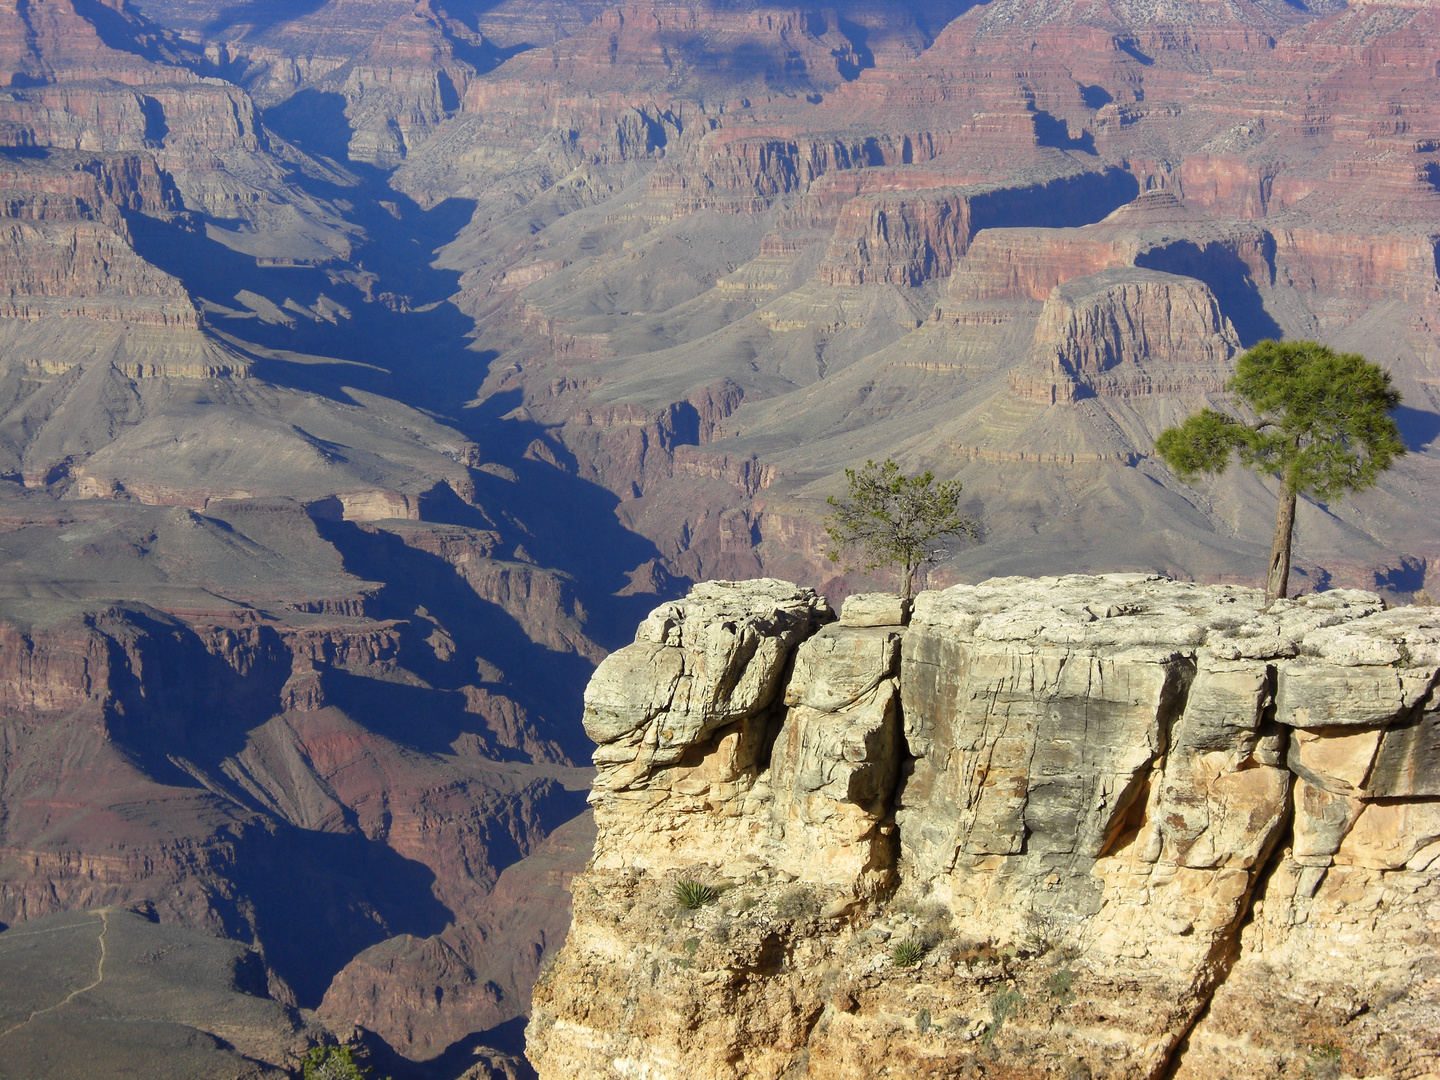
{"points": [[369, 369], [1113, 826]]}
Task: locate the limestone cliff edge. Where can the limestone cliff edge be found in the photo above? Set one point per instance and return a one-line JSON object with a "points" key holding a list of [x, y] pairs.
{"points": [[1112, 826]]}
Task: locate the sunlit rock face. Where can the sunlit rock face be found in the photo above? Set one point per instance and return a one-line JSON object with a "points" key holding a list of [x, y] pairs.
{"points": [[398, 357], [1093, 809]]}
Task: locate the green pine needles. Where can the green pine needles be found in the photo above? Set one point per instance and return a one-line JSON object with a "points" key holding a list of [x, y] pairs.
{"points": [[333, 1063], [1321, 425], [895, 520]]}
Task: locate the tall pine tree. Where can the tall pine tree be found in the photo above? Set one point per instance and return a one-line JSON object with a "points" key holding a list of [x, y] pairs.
{"points": [[1321, 425]]}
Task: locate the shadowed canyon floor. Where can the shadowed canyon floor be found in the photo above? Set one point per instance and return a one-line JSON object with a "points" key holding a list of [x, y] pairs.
{"points": [[369, 369]]}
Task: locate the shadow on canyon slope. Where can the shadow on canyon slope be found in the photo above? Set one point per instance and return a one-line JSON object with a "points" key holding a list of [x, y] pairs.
{"points": [[405, 342], [1418, 427], [188, 704], [320, 898], [314, 898], [1229, 279], [459, 1057], [315, 121], [547, 682]]}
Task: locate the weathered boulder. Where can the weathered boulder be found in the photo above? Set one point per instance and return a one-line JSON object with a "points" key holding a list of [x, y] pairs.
{"points": [[837, 757], [697, 665], [685, 715], [875, 609]]}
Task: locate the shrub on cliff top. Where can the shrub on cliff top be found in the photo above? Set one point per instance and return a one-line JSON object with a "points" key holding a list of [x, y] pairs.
{"points": [[333, 1063], [797, 902], [895, 520]]}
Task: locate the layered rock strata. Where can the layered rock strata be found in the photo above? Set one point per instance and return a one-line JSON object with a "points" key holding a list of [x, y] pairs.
{"points": [[1080, 826], [1098, 334]]}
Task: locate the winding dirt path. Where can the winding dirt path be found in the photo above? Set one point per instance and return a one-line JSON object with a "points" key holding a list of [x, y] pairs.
{"points": [[99, 978]]}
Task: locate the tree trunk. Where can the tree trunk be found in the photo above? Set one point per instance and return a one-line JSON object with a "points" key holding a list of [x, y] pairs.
{"points": [[1277, 584], [907, 586]]}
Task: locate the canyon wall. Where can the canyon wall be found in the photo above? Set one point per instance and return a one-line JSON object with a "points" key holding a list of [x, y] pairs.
{"points": [[1081, 826], [387, 361]]}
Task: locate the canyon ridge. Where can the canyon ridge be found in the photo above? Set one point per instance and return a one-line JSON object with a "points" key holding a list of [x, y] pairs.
{"points": [[369, 369]]}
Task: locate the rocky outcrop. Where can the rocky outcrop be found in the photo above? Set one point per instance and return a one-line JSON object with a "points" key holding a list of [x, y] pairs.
{"points": [[907, 238], [1128, 332], [1050, 824]]}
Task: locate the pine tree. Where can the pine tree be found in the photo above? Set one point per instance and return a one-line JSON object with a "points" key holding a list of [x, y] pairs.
{"points": [[1321, 425], [895, 519]]}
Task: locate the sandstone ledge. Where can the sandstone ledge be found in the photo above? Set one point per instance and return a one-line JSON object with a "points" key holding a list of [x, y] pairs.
{"points": [[1070, 793]]}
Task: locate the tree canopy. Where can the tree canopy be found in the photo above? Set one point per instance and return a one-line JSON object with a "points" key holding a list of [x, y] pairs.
{"points": [[894, 519], [1321, 425]]}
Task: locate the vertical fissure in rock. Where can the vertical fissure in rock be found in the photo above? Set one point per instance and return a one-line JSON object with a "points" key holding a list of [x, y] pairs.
{"points": [[1226, 951]]}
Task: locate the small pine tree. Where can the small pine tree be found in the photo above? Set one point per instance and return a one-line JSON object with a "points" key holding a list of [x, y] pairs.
{"points": [[1322, 426], [333, 1063], [895, 519]]}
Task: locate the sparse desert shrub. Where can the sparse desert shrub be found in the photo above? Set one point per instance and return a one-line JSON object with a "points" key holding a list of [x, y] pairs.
{"points": [[797, 903], [896, 520], [907, 953], [1059, 985], [1324, 1064], [694, 894], [933, 923], [1003, 1004]]}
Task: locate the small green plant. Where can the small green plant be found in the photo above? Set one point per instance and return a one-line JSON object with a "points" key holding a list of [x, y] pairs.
{"points": [[907, 953], [1324, 1063], [1003, 1005], [333, 1063], [1059, 985], [923, 1023], [694, 894]]}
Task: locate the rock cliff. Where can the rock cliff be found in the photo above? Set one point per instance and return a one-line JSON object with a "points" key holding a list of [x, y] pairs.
{"points": [[434, 341], [1097, 335], [1080, 826]]}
